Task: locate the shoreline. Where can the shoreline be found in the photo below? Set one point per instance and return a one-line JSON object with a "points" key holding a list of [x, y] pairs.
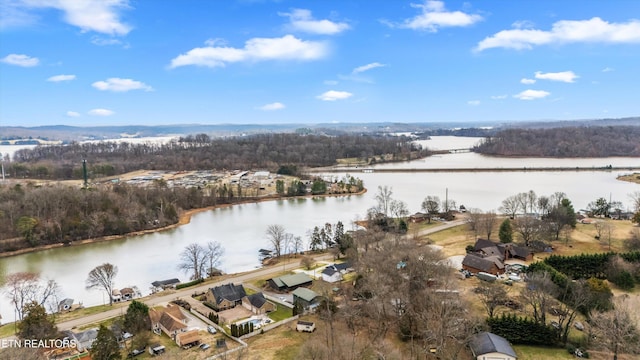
{"points": [[184, 218]]}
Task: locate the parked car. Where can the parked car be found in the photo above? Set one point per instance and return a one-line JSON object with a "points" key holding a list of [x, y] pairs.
{"points": [[578, 325], [211, 329], [204, 346]]}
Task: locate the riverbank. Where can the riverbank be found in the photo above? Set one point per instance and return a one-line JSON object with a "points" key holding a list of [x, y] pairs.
{"points": [[185, 218], [634, 178]]}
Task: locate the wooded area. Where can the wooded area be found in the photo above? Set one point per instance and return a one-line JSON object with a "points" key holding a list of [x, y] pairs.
{"points": [[564, 142], [200, 152]]}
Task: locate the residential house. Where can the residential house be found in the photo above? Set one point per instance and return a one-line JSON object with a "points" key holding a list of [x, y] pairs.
{"points": [[188, 339], [475, 264], [65, 305], [334, 273], [169, 320], [258, 304], [418, 217], [504, 252], [225, 296], [127, 294], [165, 284], [486, 345], [84, 339], [290, 282], [306, 298]]}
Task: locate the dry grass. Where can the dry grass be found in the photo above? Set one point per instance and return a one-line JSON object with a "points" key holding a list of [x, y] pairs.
{"points": [[634, 178]]}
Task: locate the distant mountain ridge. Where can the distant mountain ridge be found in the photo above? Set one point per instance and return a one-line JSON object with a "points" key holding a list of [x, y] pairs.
{"points": [[78, 133]]}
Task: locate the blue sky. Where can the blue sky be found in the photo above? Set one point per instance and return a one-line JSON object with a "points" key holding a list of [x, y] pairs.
{"points": [[118, 62]]}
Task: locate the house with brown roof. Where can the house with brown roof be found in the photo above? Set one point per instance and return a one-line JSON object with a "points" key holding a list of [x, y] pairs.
{"points": [[475, 264], [258, 304], [188, 339], [169, 320]]}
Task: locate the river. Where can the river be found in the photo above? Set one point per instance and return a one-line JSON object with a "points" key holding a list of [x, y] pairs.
{"points": [[241, 228]]}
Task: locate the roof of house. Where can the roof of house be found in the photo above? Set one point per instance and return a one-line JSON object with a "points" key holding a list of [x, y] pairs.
{"points": [[305, 294], [483, 243], [228, 292], [486, 342], [257, 300], [165, 282], [329, 270], [477, 262], [188, 337], [496, 260], [342, 266], [515, 250], [66, 302], [171, 323], [126, 291], [292, 280], [86, 336], [492, 251]]}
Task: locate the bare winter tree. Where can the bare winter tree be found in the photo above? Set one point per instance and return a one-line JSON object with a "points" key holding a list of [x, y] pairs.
{"points": [[214, 256], [193, 260], [473, 219], [529, 228], [101, 277], [539, 295], [23, 288], [492, 296], [635, 200], [431, 206], [604, 231], [276, 236], [618, 330], [383, 199], [511, 206], [488, 221]]}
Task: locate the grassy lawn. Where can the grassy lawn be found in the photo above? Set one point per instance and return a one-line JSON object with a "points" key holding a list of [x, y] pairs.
{"points": [[281, 313], [526, 352], [7, 330]]}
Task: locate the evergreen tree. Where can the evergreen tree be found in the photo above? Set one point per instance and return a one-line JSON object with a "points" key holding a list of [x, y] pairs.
{"points": [[506, 232], [316, 239], [36, 324], [137, 319], [105, 347]]}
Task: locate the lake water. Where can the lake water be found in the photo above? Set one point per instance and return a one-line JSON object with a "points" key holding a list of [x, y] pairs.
{"points": [[241, 228]]}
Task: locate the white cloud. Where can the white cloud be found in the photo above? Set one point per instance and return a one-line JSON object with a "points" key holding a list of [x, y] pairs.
{"points": [[287, 47], [523, 24], [100, 41], [608, 69], [527, 81], [73, 114], [58, 78], [333, 95], [499, 97], [101, 112], [564, 76], [594, 30], [473, 102], [435, 16], [273, 106], [301, 20], [102, 16], [121, 85], [367, 67], [532, 94], [20, 60]]}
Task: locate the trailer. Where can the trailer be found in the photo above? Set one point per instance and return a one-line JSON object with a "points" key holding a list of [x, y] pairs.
{"points": [[486, 276], [305, 326]]}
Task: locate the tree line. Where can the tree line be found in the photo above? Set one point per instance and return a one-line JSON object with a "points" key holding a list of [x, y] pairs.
{"points": [[200, 152], [564, 142]]}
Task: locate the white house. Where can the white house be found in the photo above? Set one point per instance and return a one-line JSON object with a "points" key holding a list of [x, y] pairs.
{"points": [[334, 273], [489, 346]]}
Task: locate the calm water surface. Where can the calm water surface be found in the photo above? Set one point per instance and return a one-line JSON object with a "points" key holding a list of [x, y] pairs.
{"points": [[241, 228]]}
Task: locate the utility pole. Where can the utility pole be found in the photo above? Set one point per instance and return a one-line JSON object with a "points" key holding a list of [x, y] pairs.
{"points": [[84, 173]]}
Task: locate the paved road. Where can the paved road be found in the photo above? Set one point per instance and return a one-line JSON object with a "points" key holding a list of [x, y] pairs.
{"points": [[153, 301], [238, 278]]}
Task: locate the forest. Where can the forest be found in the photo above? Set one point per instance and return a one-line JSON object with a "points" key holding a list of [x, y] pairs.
{"points": [[564, 142], [201, 152]]}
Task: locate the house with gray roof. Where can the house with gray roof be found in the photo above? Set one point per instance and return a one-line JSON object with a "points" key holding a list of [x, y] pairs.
{"points": [[225, 296], [486, 345], [258, 304], [306, 298]]}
